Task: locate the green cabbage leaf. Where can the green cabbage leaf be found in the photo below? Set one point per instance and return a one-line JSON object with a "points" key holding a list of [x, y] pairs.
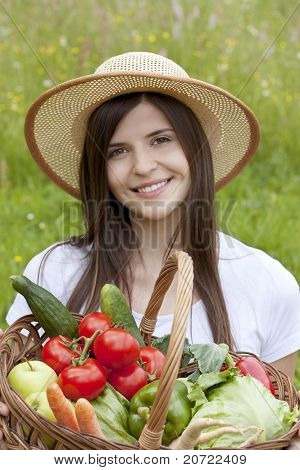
{"points": [[243, 402]]}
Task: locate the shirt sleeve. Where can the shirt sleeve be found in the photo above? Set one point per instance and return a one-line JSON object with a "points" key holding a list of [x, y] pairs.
{"points": [[19, 307], [60, 273], [283, 319]]}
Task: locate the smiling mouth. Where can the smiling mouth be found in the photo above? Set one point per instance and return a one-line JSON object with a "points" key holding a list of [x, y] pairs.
{"points": [[147, 189]]}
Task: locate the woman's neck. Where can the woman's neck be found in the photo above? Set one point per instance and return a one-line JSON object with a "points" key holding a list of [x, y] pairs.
{"points": [[154, 238]]}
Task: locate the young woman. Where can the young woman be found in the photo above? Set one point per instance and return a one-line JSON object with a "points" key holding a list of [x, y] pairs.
{"points": [[145, 148]]}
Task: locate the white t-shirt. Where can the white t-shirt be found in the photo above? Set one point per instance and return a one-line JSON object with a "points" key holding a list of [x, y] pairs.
{"points": [[261, 295]]}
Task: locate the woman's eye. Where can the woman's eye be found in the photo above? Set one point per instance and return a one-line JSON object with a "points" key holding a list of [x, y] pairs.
{"points": [[113, 153], [166, 138]]}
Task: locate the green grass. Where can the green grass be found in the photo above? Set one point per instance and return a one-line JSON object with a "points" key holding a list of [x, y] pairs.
{"points": [[46, 43]]}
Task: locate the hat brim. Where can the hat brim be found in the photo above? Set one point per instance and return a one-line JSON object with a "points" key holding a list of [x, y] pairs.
{"points": [[55, 124]]}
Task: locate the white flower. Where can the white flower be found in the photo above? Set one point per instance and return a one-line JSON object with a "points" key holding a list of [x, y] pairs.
{"points": [[252, 30], [30, 216], [63, 41], [223, 67], [163, 52], [42, 225], [266, 93], [264, 83], [177, 9], [212, 21], [47, 83], [195, 12], [228, 50], [5, 32], [245, 6]]}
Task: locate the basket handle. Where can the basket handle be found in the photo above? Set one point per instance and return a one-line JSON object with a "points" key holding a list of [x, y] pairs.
{"points": [[152, 433]]}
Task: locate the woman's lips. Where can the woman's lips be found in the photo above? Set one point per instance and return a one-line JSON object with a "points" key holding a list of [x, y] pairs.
{"points": [[152, 193]]}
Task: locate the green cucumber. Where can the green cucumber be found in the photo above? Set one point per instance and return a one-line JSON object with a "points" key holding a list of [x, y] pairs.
{"points": [[51, 314], [114, 304]]}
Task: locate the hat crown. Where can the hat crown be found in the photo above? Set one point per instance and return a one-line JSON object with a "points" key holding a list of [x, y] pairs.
{"points": [[142, 62]]}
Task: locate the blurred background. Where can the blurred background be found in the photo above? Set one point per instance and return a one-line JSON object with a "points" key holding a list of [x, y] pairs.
{"points": [[249, 47]]}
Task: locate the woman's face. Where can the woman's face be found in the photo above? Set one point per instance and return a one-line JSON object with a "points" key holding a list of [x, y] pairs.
{"points": [[139, 159]]}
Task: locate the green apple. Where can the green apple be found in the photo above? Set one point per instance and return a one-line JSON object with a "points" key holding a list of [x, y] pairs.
{"points": [[39, 402], [30, 377]]}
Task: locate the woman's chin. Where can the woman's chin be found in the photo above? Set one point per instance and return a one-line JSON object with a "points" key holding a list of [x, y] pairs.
{"points": [[154, 209], [156, 213]]}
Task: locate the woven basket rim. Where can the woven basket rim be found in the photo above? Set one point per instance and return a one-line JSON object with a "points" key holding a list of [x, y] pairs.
{"points": [[73, 436]]}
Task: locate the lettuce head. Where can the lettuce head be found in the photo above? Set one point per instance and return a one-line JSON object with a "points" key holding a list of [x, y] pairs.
{"points": [[244, 402]]}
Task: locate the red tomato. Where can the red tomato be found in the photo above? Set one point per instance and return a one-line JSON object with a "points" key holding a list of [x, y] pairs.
{"points": [[92, 322], [116, 348], [154, 358], [107, 371], [86, 381], [57, 355], [129, 380]]}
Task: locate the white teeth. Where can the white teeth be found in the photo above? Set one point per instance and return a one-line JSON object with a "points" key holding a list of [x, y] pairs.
{"points": [[153, 187]]}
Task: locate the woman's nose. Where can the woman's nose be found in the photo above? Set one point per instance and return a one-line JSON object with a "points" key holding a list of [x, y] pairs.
{"points": [[143, 162]]}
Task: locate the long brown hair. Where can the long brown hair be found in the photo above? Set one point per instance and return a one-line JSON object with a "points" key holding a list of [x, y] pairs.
{"points": [[99, 207]]}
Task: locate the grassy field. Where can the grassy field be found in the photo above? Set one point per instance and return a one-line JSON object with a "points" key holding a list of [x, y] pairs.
{"points": [[251, 48]]}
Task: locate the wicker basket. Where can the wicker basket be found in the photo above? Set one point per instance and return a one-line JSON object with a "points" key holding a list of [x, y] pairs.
{"points": [[21, 413]]}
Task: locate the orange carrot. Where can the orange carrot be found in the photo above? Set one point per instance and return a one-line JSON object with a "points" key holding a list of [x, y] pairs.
{"points": [[62, 408], [87, 418]]}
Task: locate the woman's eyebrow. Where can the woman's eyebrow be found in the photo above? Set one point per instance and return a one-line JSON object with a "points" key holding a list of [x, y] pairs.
{"points": [[149, 135]]}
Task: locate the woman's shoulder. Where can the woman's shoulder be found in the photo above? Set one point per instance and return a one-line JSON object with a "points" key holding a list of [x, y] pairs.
{"points": [[60, 252], [55, 261], [59, 274], [254, 260], [231, 248]]}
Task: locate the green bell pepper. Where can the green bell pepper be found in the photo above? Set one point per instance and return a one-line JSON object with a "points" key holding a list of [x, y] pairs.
{"points": [[178, 416]]}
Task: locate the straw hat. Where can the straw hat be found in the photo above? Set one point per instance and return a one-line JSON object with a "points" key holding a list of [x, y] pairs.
{"points": [[55, 123]]}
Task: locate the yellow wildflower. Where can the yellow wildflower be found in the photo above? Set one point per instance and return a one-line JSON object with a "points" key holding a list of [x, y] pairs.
{"points": [[166, 35], [230, 42], [118, 19], [223, 59], [197, 54], [75, 50], [152, 38], [18, 259], [50, 50], [42, 50], [18, 98]]}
